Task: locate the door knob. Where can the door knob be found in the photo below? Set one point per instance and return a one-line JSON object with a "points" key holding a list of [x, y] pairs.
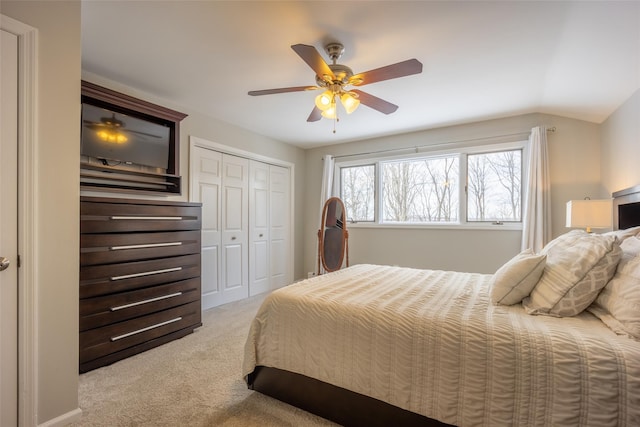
{"points": [[4, 263]]}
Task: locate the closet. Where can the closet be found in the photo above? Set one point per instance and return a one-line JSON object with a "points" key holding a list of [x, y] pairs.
{"points": [[246, 224]]}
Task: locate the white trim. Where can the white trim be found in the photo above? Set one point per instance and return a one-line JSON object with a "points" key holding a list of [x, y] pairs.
{"points": [[28, 213], [64, 419], [195, 141]]}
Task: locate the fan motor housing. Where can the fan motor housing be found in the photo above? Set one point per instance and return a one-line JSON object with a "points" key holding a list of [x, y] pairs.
{"points": [[341, 72]]}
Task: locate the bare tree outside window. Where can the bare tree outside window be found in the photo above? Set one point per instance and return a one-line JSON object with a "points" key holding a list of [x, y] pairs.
{"points": [[420, 190], [494, 186], [358, 192]]}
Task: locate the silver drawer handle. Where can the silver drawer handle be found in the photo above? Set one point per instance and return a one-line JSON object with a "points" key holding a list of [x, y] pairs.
{"points": [[148, 328], [147, 218], [143, 246], [146, 273], [133, 304]]}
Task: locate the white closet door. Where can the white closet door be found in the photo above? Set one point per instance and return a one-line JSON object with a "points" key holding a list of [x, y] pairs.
{"points": [[259, 269], [206, 184], [246, 225], [235, 228], [279, 229]]}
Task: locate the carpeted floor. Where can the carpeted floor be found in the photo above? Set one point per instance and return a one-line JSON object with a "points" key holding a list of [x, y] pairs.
{"points": [[193, 381]]}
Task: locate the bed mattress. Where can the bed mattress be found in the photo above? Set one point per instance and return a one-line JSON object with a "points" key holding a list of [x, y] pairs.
{"points": [[431, 342]]}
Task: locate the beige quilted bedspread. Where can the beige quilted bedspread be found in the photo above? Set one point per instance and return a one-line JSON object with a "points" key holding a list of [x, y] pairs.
{"points": [[431, 342]]}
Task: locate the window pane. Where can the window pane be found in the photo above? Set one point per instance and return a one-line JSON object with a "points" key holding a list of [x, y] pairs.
{"points": [[494, 186], [420, 190], [358, 192]]}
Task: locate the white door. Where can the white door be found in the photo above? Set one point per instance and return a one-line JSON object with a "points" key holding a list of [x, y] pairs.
{"points": [[279, 229], [205, 187], [221, 183], [8, 230], [259, 267], [235, 228]]}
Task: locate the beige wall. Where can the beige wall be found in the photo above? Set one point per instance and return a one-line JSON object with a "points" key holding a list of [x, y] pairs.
{"points": [[620, 135], [575, 173], [57, 154]]}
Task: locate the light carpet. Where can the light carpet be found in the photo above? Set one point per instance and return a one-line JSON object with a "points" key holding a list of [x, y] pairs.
{"points": [[193, 381]]}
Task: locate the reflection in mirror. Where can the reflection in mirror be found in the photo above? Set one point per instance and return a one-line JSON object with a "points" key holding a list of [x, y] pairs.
{"points": [[333, 237]]}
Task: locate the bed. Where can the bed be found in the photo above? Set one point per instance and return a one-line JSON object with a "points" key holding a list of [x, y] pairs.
{"points": [[374, 345]]}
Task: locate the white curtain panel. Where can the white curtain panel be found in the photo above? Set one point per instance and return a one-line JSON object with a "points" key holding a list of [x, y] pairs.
{"points": [[326, 192], [536, 222]]}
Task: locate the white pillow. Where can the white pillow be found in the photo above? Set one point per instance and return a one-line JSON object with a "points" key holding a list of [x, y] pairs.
{"points": [[515, 279], [579, 265], [625, 233], [618, 305]]}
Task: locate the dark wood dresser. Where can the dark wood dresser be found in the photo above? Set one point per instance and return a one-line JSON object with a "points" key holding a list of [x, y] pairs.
{"points": [[139, 276]]}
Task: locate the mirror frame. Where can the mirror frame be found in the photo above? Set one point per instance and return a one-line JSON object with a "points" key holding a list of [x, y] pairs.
{"points": [[321, 237]]}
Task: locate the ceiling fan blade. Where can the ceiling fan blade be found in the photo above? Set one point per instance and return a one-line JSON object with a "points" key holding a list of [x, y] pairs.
{"points": [[316, 114], [142, 133], [310, 55], [393, 71], [282, 90], [375, 102]]}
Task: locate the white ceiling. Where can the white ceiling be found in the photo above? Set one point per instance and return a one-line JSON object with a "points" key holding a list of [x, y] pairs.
{"points": [[481, 60]]}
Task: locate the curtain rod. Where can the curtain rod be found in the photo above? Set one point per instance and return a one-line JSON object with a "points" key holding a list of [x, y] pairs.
{"points": [[417, 147]]}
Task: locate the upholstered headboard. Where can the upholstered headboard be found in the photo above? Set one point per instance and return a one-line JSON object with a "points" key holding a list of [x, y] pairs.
{"points": [[626, 208]]}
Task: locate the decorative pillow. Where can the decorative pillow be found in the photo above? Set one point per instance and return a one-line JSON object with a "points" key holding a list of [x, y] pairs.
{"points": [[579, 265], [515, 279], [623, 234], [618, 305]]}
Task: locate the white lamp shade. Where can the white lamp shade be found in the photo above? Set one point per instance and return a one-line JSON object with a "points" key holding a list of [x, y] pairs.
{"points": [[349, 103], [330, 113], [589, 214], [324, 100]]}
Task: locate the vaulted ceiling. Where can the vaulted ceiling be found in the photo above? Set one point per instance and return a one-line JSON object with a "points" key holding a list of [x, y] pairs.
{"points": [[481, 60]]}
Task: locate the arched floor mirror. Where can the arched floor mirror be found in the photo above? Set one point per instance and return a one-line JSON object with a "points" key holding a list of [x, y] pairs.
{"points": [[333, 238]]}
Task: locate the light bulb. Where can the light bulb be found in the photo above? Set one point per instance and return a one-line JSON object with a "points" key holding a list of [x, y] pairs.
{"points": [[349, 102], [324, 100], [330, 113]]}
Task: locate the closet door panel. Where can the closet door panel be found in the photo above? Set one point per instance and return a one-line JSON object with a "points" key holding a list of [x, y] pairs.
{"points": [[206, 182], [235, 228], [259, 229], [280, 218]]}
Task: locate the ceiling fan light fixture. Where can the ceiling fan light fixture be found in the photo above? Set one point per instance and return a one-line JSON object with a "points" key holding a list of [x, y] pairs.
{"points": [[324, 100], [330, 113], [349, 102], [110, 136]]}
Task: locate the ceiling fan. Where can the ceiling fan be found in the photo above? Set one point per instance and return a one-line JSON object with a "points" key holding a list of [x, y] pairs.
{"points": [[336, 79]]}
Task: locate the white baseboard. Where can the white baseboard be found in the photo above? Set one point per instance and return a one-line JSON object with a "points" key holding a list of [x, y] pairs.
{"points": [[63, 419]]}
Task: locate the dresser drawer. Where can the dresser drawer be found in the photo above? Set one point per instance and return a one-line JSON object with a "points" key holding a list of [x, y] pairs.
{"points": [[100, 217], [114, 248], [99, 280], [99, 342], [100, 311]]}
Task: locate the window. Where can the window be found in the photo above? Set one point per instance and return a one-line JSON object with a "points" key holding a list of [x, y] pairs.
{"points": [[420, 190], [357, 191], [494, 187], [480, 185]]}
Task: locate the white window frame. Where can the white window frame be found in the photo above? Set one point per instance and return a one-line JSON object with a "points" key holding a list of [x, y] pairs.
{"points": [[462, 152]]}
